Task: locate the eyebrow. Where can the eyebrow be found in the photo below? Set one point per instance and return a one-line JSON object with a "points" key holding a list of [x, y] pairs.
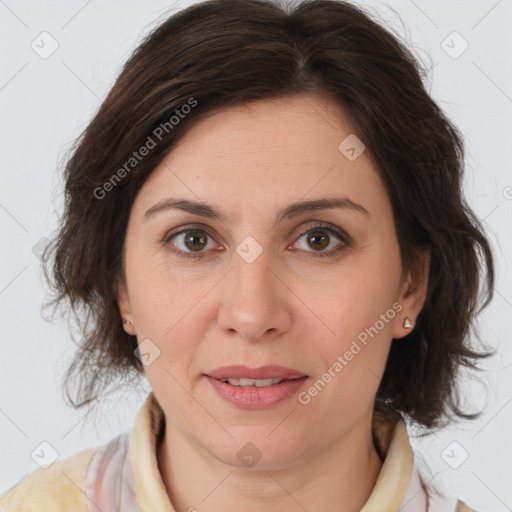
{"points": [[288, 212]]}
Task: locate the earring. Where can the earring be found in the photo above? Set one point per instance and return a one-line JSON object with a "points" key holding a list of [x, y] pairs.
{"points": [[125, 321], [407, 324]]}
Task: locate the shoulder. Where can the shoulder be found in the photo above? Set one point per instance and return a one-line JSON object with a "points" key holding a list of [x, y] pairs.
{"points": [[59, 487]]}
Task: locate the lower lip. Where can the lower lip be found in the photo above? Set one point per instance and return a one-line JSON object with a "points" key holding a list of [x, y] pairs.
{"points": [[254, 397]]}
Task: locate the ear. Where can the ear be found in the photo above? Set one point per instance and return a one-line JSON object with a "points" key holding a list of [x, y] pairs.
{"points": [[123, 303], [412, 294]]}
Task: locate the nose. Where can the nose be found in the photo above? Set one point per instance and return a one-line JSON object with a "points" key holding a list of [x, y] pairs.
{"points": [[254, 300]]}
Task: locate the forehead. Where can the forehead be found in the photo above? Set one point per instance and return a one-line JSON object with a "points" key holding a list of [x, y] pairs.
{"points": [[290, 129], [266, 152]]}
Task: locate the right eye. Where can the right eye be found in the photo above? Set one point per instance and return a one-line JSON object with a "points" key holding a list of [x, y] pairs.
{"points": [[188, 242]]}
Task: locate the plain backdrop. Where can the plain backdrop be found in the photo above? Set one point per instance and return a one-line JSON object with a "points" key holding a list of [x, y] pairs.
{"points": [[47, 99]]}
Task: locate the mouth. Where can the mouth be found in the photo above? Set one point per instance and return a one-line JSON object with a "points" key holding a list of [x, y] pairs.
{"points": [[257, 388], [241, 375], [250, 383]]}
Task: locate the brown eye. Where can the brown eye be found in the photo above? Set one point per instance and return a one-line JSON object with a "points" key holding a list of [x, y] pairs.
{"points": [[318, 239], [195, 240], [189, 242]]}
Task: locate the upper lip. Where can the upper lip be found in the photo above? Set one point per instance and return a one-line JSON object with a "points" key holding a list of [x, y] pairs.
{"points": [[262, 372]]}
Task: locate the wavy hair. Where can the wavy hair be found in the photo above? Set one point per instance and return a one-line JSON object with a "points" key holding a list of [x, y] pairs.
{"points": [[220, 53]]}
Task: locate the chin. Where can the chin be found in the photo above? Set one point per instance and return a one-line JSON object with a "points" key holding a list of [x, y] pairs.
{"points": [[257, 450]]}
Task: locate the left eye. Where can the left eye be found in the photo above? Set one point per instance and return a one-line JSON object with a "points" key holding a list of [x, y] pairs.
{"points": [[320, 238]]}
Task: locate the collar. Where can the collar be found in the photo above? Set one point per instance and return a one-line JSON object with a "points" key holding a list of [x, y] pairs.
{"points": [[151, 491], [398, 471], [124, 474]]}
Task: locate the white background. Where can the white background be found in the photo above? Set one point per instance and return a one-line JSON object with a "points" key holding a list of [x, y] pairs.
{"points": [[45, 103]]}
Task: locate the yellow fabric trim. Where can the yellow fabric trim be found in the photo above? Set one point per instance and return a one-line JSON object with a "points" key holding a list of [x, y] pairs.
{"points": [[389, 490], [151, 492], [60, 487], [387, 494], [57, 488]]}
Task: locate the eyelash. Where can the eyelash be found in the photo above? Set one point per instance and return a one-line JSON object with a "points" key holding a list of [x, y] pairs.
{"points": [[329, 228]]}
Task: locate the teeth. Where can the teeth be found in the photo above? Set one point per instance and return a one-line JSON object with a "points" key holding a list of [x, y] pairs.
{"points": [[259, 383]]}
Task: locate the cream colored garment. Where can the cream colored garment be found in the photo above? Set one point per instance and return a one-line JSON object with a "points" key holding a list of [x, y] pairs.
{"points": [[122, 475]]}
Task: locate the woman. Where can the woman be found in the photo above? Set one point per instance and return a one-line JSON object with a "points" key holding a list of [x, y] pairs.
{"points": [[265, 219]]}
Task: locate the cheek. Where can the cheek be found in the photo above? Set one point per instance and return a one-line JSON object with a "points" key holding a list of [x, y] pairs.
{"points": [[359, 313], [169, 319], [173, 318], [358, 298], [353, 363], [160, 294]]}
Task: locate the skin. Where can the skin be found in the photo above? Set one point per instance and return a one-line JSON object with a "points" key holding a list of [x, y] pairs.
{"points": [[288, 307]]}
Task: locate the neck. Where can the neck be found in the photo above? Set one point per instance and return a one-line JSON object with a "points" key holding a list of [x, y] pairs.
{"points": [[340, 478]]}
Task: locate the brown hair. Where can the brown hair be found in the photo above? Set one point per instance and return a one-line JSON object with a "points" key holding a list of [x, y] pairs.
{"points": [[219, 53]]}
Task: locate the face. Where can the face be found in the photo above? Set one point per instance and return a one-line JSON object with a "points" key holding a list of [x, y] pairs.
{"points": [[318, 291]]}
